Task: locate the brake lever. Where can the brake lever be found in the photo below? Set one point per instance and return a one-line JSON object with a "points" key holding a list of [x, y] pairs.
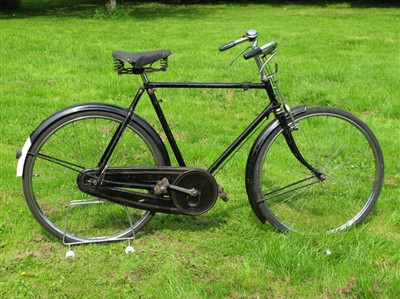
{"points": [[237, 56]]}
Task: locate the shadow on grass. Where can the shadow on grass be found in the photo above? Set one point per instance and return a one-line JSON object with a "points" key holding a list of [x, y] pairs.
{"points": [[352, 3], [146, 10], [96, 9]]}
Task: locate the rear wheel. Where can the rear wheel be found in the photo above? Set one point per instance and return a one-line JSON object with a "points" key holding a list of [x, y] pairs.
{"points": [[69, 145], [285, 193]]}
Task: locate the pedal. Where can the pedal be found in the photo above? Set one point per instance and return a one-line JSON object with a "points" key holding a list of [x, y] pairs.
{"points": [[161, 187], [222, 194]]}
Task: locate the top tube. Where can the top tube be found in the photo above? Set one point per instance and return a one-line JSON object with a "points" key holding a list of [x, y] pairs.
{"points": [[245, 85]]}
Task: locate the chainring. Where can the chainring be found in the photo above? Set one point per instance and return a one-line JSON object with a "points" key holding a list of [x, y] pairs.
{"points": [[207, 192]]}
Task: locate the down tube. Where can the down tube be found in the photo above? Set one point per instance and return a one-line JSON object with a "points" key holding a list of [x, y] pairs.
{"points": [[231, 149]]}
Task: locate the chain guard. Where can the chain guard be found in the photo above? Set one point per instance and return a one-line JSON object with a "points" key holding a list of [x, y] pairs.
{"points": [[137, 187], [204, 199], [131, 186]]}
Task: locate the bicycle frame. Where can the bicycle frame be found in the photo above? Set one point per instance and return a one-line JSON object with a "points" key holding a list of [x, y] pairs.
{"points": [[273, 106], [149, 87]]}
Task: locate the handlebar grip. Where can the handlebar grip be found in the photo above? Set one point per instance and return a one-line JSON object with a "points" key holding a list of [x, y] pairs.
{"points": [[227, 46], [252, 53], [265, 49]]}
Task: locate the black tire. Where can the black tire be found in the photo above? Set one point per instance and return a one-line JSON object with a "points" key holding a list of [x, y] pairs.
{"points": [[80, 139], [335, 142]]}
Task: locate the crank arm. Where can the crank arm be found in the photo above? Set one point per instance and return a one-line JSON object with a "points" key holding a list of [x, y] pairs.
{"points": [[192, 192], [163, 185]]}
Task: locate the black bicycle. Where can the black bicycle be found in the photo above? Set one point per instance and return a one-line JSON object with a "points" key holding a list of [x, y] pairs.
{"points": [[310, 170]]}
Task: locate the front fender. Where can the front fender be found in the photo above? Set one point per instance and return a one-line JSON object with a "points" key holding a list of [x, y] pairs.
{"points": [[253, 155], [22, 153]]}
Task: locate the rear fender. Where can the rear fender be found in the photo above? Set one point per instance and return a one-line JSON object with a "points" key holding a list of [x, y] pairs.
{"points": [[22, 153]]}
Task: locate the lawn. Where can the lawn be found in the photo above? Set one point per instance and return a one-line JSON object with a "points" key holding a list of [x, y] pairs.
{"points": [[345, 55]]}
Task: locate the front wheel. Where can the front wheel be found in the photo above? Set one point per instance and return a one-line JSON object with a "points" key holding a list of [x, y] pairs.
{"points": [[75, 142], [285, 193]]}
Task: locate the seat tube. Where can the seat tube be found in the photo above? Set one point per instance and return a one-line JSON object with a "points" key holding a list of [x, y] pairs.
{"points": [[161, 117]]}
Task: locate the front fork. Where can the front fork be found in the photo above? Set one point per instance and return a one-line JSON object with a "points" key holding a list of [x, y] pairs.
{"points": [[286, 119], [288, 128]]}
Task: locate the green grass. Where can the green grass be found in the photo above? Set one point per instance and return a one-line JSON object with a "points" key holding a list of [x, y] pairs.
{"points": [[53, 56]]}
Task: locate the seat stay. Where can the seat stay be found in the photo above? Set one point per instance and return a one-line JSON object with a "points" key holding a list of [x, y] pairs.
{"points": [[121, 128]]}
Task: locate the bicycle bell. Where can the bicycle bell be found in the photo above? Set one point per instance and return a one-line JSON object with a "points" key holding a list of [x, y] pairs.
{"points": [[251, 34]]}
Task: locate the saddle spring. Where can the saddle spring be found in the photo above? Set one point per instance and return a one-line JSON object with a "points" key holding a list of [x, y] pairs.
{"points": [[158, 66]]}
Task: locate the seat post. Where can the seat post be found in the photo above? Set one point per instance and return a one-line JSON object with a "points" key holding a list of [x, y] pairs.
{"points": [[144, 78]]}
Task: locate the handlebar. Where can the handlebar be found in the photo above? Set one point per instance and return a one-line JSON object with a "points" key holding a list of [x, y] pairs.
{"points": [[232, 44], [251, 35], [258, 53], [265, 49]]}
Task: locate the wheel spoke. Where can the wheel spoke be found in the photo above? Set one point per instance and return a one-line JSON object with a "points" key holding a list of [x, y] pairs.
{"points": [[286, 189], [338, 144], [60, 162], [64, 150]]}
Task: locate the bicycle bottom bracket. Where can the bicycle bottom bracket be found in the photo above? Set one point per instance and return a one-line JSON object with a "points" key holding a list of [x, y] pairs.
{"points": [[202, 200]]}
